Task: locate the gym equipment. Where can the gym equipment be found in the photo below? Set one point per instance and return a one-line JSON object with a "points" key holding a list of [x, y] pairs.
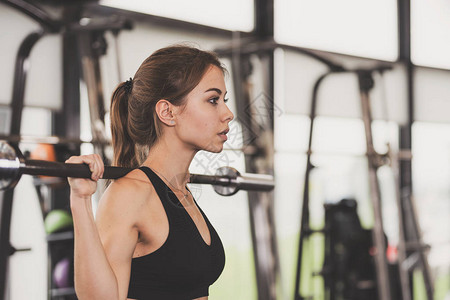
{"points": [[20, 75], [411, 242], [44, 152], [348, 268], [13, 166], [63, 273], [385, 274], [228, 181], [57, 220], [256, 117], [374, 161]]}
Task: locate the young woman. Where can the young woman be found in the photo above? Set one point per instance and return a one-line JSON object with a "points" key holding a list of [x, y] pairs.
{"points": [[149, 239]]}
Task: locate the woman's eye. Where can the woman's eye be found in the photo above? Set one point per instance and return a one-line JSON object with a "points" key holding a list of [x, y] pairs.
{"points": [[214, 100]]}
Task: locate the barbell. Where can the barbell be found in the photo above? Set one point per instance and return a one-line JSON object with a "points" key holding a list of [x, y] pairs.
{"points": [[227, 181]]}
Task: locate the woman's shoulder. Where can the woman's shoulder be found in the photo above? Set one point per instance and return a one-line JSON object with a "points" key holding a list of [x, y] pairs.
{"points": [[130, 190], [136, 179]]}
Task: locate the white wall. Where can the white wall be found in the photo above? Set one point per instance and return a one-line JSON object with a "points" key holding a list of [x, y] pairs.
{"points": [[44, 79]]}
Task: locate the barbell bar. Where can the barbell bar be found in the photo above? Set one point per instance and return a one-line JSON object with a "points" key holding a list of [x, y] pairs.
{"points": [[226, 182]]}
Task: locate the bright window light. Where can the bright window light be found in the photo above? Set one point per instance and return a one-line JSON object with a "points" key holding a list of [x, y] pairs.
{"points": [[430, 33], [231, 14], [362, 28]]}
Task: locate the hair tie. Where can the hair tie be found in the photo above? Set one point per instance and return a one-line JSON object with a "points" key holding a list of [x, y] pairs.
{"points": [[128, 85]]}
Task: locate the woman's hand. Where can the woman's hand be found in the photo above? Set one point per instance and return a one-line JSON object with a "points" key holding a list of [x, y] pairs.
{"points": [[81, 187]]}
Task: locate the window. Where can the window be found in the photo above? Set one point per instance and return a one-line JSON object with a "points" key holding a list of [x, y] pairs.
{"points": [[360, 28], [232, 14], [430, 38]]}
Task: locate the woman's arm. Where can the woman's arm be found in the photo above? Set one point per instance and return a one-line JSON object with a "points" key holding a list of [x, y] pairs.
{"points": [[103, 251]]}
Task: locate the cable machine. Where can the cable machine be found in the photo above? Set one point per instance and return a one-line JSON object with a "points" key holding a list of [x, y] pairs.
{"points": [[391, 282]]}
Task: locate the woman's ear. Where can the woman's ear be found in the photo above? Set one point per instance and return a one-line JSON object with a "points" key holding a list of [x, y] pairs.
{"points": [[164, 110]]}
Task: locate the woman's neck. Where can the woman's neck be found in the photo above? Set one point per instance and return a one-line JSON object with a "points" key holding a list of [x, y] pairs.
{"points": [[171, 161]]}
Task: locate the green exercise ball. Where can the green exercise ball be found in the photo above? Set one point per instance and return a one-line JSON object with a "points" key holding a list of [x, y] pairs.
{"points": [[57, 220]]}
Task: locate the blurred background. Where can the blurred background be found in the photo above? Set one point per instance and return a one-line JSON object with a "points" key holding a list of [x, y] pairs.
{"points": [[372, 78]]}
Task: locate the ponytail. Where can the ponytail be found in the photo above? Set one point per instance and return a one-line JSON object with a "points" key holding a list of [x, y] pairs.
{"points": [[124, 147]]}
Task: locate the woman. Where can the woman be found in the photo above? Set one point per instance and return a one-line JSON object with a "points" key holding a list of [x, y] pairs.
{"points": [[149, 239]]}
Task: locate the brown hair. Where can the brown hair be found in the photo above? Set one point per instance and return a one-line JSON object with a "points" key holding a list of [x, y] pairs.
{"points": [[169, 73]]}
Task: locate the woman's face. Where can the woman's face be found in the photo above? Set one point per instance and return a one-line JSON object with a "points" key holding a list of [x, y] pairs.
{"points": [[205, 117]]}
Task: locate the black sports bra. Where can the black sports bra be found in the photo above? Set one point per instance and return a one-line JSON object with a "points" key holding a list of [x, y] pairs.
{"points": [[184, 266]]}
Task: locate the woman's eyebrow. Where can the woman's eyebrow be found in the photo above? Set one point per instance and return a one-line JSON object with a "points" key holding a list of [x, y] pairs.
{"points": [[219, 91]]}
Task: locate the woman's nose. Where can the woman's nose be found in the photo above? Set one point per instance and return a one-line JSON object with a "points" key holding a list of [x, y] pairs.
{"points": [[228, 115]]}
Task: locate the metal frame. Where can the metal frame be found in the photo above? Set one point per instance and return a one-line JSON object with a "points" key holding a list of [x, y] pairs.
{"points": [[366, 83], [20, 73], [261, 206], [405, 132], [305, 229], [6, 198], [263, 238], [411, 232], [36, 13], [94, 9]]}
